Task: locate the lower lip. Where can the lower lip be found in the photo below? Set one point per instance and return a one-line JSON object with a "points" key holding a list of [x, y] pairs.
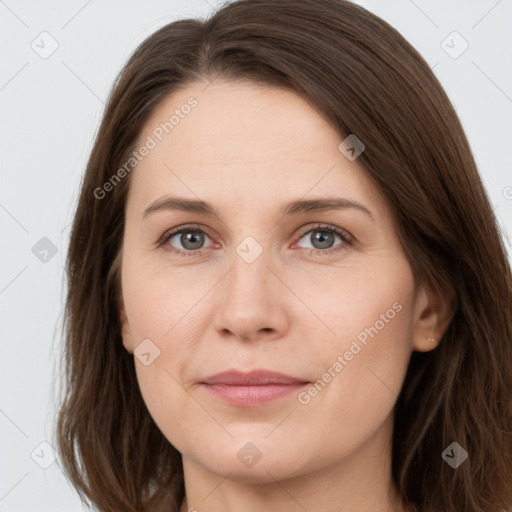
{"points": [[249, 396]]}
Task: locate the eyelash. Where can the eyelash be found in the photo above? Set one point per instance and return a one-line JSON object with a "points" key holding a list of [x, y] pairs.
{"points": [[347, 239]]}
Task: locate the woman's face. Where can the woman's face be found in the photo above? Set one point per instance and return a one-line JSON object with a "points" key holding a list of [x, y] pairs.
{"points": [[260, 286]]}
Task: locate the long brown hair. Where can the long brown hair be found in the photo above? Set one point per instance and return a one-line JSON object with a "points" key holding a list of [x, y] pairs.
{"points": [[367, 80]]}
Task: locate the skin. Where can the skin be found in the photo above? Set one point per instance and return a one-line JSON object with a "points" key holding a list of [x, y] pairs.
{"points": [[247, 149]]}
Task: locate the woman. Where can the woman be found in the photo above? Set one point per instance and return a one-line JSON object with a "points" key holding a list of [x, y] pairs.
{"points": [[215, 362]]}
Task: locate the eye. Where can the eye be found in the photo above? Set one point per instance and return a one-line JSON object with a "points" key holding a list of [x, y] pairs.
{"points": [[322, 238], [189, 240]]}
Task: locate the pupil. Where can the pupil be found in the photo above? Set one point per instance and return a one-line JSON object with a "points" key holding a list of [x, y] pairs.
{"points": [[323, 237], [193, 238]]}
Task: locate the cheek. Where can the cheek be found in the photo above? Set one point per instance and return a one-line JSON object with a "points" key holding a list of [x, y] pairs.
{"points": [[160, 313], [361, 376], [364, 302], [163, 394], [363, 363], [156, 302]]}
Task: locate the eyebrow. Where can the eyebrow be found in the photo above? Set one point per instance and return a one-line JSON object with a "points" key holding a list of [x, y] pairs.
{"points": [[296, 207]]}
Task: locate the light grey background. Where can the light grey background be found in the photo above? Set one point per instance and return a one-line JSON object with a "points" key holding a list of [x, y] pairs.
{"points": [[50, 109]]}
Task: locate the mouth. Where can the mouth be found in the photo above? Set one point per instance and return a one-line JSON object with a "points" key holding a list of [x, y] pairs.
{"points": [[251, 389]]}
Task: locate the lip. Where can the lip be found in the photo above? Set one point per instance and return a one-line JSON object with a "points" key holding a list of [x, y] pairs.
{"points": [[253, 388], [253, 378]]}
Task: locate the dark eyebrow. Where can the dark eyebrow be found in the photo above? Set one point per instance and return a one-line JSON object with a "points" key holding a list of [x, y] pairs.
{"points": [[180, 203], [291, 208], [316, 205]]}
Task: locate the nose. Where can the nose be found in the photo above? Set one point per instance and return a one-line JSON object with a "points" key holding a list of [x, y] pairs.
{"points": [[253, 303]]}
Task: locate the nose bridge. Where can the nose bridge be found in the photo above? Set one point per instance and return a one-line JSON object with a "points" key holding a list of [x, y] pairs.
{"points": [[249, 277], [251, 299]]}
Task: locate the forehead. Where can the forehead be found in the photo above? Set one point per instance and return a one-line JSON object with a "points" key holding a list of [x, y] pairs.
{"points": [[254, 140]]}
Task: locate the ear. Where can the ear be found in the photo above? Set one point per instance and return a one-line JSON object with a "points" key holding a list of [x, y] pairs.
{"points": [[125, 325], [434, 311]]}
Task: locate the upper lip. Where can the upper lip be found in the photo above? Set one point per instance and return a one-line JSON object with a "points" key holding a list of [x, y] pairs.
{"points": [[253, 378]]}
